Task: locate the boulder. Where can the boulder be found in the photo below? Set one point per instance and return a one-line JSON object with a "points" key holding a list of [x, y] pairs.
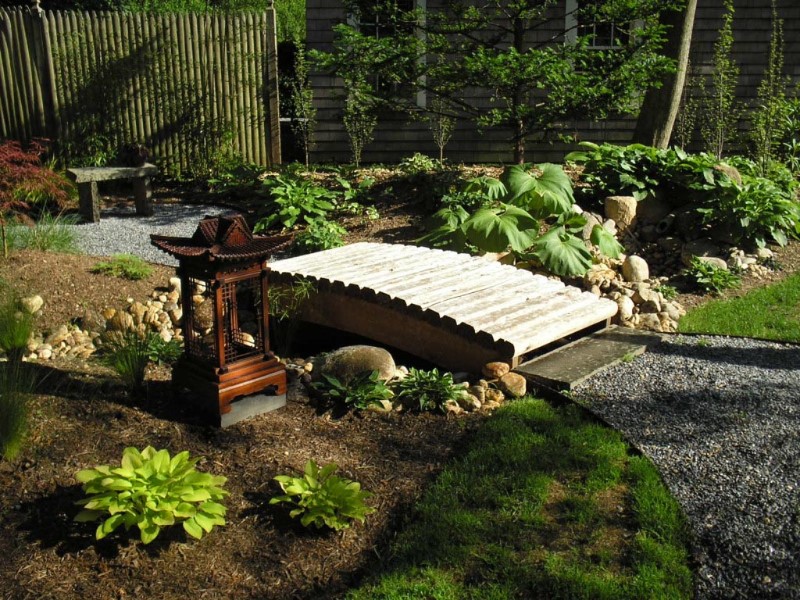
{"points": [[626, 306], [652, 209], [513, 384], [635, 268], [350, 361], [469, 402], [622, 210]]}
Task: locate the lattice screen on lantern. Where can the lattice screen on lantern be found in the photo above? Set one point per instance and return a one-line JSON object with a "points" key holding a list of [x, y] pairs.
{"points": [[242, 318], [199, 335]]}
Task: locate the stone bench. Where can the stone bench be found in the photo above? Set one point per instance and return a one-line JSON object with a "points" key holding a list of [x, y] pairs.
{"points": [[88, 198]]}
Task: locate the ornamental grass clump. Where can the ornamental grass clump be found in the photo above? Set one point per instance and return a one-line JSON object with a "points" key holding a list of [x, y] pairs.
{"points": [[322, 498], [16, 385], [150, 490], [16, 326]]}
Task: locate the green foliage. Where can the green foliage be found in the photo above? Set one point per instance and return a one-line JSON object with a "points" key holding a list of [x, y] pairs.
{"points": [[290, 19], [322, 498], [524, 513], [720, 113], [361, 392], [757, 211], [504, 218], [129, 353], [124, 266], [668, 291], [304, 113], [286, 301], [150, 490], [711, 278], [770, 117], [417, 163], [49, 234], [16, 326], [442, 124], [427, 390], [771, 312], [532, 88], [293, 200], [606, 242], [16, 385], [161, 351], [320, 234]]}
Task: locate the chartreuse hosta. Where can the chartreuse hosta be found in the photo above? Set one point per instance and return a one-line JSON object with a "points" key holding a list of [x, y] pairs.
{"points": [[150, 490]]}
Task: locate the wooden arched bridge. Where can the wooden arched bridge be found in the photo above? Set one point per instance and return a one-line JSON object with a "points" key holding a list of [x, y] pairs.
{"points": [[451, 309]]}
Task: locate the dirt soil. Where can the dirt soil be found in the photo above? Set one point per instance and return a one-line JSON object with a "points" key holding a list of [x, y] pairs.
{"points": [[84, 417]]}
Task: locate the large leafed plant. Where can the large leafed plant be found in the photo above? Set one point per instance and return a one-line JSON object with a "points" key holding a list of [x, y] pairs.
{"points": [[528, 210]]}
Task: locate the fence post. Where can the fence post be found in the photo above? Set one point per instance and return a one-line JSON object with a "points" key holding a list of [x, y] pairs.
{"points": [[272, 87], [44, 62]]}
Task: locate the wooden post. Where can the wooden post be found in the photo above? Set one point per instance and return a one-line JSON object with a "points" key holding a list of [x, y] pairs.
{"points": [[44, 60]]}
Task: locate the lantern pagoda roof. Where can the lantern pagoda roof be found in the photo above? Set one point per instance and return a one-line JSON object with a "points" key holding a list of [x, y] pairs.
{"points": [[223, 239]]}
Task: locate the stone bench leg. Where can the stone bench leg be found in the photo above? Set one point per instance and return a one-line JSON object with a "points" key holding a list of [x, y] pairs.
{"points": [[143, 196], [89, 201]]}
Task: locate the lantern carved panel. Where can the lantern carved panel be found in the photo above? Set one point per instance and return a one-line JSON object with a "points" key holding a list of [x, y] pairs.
{"points": [[223, 273]]}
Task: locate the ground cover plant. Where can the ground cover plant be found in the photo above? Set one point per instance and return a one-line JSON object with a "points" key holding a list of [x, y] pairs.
{"points": [[124, 265], [541, 505], [771, 312], [49, 233]]}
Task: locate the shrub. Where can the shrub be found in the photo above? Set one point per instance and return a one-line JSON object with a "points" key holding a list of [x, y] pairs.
{"points": [[161, 351], [427, 390], [322, 498], [16, 384], [320, 234], [49, 234], [151, 490], [125, 266], [129, 353], [16, 326], [360, 392], [711, 278], [25, 180], [294, 200], [417, 163]]}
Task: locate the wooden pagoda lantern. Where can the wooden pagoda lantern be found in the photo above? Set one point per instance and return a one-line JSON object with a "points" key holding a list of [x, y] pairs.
{"points": [[224, 295]]}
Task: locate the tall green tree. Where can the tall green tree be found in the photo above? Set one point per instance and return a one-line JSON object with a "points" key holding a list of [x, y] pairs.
{"points": [[468, 51], [721, 114]]}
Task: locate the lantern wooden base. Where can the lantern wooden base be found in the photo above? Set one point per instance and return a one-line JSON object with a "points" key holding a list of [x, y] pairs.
{"points": [[217, 388]]}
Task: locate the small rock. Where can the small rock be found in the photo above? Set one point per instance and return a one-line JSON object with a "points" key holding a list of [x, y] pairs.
{"points": [[513, 384], [626, 306], [493, 395], [108, 313], [635, 268], [764, 254], [478, 391], [44, 353], [469, 402], [714, 261], [495, 370], [452, 407], [699, 247], [384, 407], [31, 304], [649, 321], [175, 284]]}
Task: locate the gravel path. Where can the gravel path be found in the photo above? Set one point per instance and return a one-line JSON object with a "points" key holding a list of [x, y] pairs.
{"points": [[719, 418], [121, 231]]}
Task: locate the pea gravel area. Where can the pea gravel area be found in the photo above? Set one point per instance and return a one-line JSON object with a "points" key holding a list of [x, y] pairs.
{"points": [[121, 231], [719, 418]]}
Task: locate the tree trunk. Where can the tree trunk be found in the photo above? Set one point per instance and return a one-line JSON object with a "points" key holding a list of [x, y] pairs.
{"points": [[660, 106]]}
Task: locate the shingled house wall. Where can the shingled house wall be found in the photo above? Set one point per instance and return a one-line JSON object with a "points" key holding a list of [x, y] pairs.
{"points": [[396, 136]]}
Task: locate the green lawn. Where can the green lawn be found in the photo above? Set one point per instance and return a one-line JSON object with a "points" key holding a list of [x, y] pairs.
{"points": [[545, 503], [771, 312]]}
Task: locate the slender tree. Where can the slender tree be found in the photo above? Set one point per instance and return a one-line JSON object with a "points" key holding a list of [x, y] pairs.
{"points": [[661, 104]]}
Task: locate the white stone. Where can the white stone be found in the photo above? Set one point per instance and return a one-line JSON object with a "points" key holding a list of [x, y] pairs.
{"points": [[175, 284], [763, 254], [635, 268], [31, 304], [626, 306]]}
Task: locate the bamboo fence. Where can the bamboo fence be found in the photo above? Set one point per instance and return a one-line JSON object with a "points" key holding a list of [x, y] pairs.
{"points": [[190, 87]]}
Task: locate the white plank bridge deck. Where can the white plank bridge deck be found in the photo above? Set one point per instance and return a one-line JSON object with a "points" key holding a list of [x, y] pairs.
{"points": [[452, 309]]}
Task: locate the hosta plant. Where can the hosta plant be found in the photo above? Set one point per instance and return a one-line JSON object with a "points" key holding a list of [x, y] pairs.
{"points": [[427, 390], [360, 392], [711, 278], [150, 490], [322, 498]]}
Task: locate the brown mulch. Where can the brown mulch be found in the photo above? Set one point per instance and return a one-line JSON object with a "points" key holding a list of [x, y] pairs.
{"points": [[84, 417]]}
